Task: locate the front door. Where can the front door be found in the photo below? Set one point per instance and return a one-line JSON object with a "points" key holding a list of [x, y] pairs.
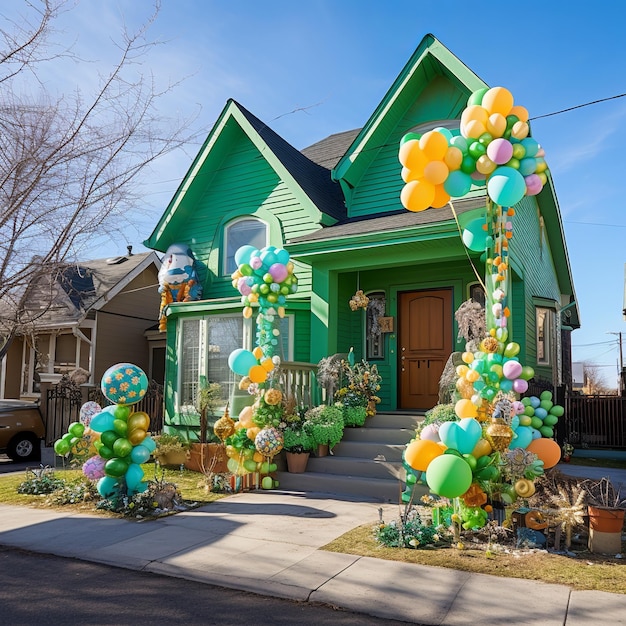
{"points": [[425, 342]]}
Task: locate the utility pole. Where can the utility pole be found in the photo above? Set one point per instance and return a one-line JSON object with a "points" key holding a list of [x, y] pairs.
{"points": [[621, 362]]}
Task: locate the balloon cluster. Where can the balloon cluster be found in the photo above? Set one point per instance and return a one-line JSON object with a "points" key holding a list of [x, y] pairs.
{"points": [[541, 414], [492, 369], [493, 148], [252, 448], [118, 434], [264, 278]]}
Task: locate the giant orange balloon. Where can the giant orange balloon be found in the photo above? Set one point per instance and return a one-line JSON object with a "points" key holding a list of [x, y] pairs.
{"points": [[420, 453], [547, 450], [417, 195], [257, 374]]}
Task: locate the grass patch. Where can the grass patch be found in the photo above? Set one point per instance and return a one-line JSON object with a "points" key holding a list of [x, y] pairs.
{"points": [[586, 571], [191, 486]]}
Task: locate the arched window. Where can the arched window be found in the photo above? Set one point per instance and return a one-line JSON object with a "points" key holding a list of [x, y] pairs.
{"points": [[248, 231]]}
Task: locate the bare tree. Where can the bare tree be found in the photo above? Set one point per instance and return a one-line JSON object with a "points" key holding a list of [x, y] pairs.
{"points": [[594, 381], [70, 165]]}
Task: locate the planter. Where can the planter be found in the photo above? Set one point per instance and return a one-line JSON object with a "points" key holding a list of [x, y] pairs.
{"points": [[605, 519], [322, 450], [296, 462], [207, 458], [172, 458]]}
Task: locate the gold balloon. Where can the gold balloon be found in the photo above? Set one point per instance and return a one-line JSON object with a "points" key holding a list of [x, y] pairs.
{"points": [[499, 435], [225, 426]]}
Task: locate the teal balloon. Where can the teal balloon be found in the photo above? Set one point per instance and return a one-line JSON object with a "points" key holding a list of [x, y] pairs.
{"points": [[460, 142], [458, 183], [523, 437], [141, 487], [449, 476], [240, 361], [474, 235], [101, 422], [506, 186], [243, 254], [140, 454], [106, 486], [134, 475], [149, 443]]}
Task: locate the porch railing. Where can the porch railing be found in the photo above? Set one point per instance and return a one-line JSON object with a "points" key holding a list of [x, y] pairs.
{"points": [[298, 380]]}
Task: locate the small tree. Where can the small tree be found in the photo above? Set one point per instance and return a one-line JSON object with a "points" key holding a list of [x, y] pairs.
{"points": [[594, 381], [68, 164]]}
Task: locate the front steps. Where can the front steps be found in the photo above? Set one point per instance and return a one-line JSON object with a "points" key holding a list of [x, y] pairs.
{"points": [[366, 465]]}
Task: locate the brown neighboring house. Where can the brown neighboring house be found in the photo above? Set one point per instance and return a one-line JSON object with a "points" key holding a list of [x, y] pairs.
{"points": [[95, 314]]}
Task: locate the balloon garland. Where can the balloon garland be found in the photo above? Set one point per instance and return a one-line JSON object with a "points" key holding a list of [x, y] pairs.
{"points": [[499, 444], [265, 279]]}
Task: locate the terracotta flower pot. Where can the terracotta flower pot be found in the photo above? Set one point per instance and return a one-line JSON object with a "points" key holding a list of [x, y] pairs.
{"points": [[296, 462], [322, 450], [606, 519], [207, 457]]}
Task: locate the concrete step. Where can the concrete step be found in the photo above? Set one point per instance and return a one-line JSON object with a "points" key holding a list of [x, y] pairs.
{"points": [[394, 420], [356, 467], [370, 450], [373, 435]]}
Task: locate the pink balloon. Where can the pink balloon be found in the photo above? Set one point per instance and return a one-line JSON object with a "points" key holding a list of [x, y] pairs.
{"points": [[278, 272], [244, 287], [518, 407], [533, 184], [500, 151], [512, 369], [431, 432], [520, 385], [255, 262]]}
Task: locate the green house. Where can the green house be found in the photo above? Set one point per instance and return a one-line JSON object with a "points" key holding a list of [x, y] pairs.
{"points": [[335, 206]]}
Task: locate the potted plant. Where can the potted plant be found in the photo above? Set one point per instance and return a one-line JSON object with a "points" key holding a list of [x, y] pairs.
{"points": [[171, 449], [606, 506], [297, 446], [325, 426], [207, 454]]}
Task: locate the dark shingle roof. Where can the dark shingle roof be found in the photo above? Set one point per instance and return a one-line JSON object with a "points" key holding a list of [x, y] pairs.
{"points": [[329, 151], [314, 178]]}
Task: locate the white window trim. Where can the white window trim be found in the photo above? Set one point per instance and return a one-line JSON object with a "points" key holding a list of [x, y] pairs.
{"points": [[227, 226]]}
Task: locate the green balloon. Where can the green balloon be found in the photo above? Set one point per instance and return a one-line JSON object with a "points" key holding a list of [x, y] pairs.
{"points": [[122, 447], [267, 482], [477, 96], [557, 410], [116, 468], [121, 412], [76, 429], [109, 437], [61, 447], [105, 452], [120, 427], [449, 476]]}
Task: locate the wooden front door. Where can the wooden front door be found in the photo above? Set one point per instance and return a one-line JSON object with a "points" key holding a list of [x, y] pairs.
{"points": [[425, 343]]}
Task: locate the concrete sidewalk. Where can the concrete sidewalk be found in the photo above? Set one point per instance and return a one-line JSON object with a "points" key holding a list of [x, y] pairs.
{"points": [[267, 542]]}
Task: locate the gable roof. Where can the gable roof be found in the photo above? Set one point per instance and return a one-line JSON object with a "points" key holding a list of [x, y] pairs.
{"points": [[83, 287], [309, 180], [430, 58]]}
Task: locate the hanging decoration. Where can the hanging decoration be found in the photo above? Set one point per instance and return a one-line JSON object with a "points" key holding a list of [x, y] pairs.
{"points": [[358, 301]]}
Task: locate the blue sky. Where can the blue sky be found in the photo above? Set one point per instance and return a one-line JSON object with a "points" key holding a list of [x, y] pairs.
{"points": [[310, 69]]}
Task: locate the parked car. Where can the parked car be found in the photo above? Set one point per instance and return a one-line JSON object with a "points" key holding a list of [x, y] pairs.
{"points": [[21, 430]]}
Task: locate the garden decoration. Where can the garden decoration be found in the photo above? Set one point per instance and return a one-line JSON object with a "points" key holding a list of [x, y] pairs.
{"points": [[118, 434], [265, 279], [178, 279], [497, 442]]}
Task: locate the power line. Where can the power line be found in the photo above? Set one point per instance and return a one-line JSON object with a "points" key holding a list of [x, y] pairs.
{"points": [[578, 106]]}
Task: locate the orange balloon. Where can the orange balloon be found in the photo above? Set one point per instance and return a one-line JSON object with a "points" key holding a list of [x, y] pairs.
{"points": [[498, 100], [247, 312], [547, 450], [420, 453], [434, 145], [436, 172], [245, 416], [453, 158], [465, 408], [474, 113], [520, 130], [257, 374], [258, 352], [473, 129], [496, 124], [412, 157], [441, 197], [267, 365], [417, 195], [252, 432], [521, 113]]}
